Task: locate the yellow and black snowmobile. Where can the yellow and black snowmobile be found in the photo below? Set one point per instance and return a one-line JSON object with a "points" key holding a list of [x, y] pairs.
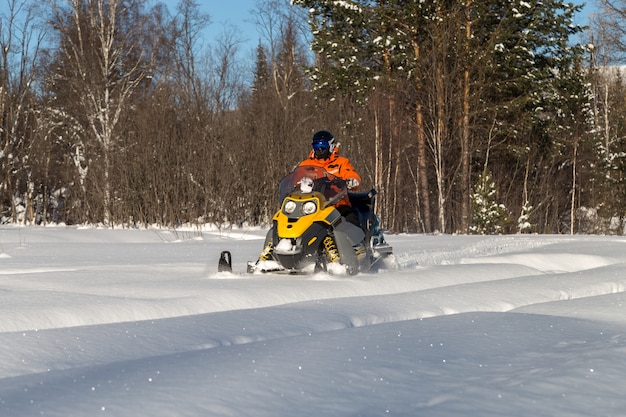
{"points": [[309, 234]]}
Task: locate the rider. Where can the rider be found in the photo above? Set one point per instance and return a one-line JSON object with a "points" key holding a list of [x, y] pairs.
{"points": [[325, 154]]}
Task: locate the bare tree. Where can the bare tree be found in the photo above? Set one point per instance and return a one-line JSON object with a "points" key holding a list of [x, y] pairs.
{"points": [[608, 35], [190, 22], [609, 24], [107, 49]]}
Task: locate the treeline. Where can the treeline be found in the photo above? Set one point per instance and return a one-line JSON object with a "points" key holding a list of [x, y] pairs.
{"points": [[468, 117]]}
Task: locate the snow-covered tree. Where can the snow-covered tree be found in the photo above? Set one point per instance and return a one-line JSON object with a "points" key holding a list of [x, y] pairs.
{"points": [[488, 216], [523, 221], [608, 57]]}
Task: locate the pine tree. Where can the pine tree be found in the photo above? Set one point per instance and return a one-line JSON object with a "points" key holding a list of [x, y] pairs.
{"points": [[470, 69], [488, 216]]}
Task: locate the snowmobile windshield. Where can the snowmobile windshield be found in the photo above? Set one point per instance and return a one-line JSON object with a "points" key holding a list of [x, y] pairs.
{"points": [[310, 179]]}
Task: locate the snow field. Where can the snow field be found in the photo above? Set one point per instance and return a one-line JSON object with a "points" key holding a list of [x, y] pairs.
{"points": [[138, 322]]}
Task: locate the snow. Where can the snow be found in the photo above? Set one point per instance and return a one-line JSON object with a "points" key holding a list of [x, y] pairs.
{"points": [[140, 323]]}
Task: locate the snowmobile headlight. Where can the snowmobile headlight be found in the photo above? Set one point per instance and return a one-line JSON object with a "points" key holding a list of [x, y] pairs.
{"points": [[309, 207], [290, 206]]}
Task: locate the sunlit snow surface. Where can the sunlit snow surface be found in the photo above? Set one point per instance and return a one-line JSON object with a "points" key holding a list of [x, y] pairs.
{"points": [[140, 323]]}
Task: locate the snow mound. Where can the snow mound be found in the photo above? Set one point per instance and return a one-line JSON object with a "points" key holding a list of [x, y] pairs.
{"points": [[547, 263]]}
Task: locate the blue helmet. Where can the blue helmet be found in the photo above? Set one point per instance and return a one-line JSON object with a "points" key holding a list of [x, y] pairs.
{"points": [[323, 144]]}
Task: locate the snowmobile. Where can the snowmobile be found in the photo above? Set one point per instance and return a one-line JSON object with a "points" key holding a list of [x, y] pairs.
{"points": [[309, 234]]}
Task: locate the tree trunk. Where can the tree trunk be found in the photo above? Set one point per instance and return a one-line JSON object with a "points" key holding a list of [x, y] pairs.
{"points": [[465, 141], [438, 139], [421, 151], [574, 185]]}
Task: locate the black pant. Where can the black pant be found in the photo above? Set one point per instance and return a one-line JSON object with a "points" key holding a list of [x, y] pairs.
{"points": [[349, 215]]}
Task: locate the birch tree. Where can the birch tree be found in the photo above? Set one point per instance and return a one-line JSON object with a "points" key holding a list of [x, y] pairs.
{"points": [[20, 44]]}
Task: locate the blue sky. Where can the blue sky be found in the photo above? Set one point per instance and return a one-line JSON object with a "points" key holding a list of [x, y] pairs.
{"points": [[238, 14], [227, 13], [584, 15]]}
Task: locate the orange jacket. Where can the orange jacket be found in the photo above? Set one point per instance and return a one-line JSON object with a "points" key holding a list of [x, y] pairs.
{"points": [[337, 165]]}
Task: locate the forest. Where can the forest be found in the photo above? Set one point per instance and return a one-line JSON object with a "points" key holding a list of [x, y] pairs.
{"points": [[484, 117]]}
